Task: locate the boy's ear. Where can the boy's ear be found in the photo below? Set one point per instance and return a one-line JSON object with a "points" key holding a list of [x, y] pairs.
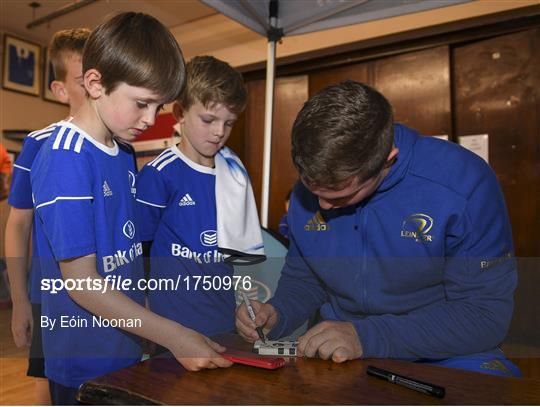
{"points": [[178, 112], [59, 91], [92, 83]]}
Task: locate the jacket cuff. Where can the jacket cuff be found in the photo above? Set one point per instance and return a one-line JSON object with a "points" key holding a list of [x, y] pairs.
{"points": [[370, 338], [279, 329]]}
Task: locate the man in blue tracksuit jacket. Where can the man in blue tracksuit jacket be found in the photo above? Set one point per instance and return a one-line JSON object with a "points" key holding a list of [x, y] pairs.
{"points": [[402, 242]]}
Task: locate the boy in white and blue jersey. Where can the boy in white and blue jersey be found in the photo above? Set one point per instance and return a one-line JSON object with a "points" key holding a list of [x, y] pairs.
{"points": [[21, 198], [86, 234], [87, 211], [177, 201], [65, 53]]}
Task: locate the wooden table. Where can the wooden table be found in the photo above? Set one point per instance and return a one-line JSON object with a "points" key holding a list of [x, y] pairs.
{"points": [[162, 380]]}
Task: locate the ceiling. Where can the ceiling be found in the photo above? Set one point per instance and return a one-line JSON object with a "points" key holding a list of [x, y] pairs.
{"points": [[200, 30], [16, 14]]}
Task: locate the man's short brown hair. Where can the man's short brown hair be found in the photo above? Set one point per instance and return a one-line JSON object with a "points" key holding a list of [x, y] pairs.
{"points": [[63, 43], [136, 49], [342, 131], [210, 81]]}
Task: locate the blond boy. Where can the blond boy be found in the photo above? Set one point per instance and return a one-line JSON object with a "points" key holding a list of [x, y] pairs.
{"points": [[65, 52]]}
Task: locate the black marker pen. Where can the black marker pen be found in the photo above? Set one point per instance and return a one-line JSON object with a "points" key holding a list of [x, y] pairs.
{"points": [[252, 316], [422, 387]]}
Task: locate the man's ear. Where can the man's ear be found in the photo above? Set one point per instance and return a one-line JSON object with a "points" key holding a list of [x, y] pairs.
{"points": [[59, 91], [92, 83], [392, 156], [178, 112]]}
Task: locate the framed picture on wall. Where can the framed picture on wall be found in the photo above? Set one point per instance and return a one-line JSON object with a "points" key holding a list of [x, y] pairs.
{"points": [[48, 77], [21, 66]]}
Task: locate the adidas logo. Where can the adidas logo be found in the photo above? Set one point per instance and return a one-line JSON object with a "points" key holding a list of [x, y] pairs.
{"points": [[186, 201], [106, 189], [316, 224]]}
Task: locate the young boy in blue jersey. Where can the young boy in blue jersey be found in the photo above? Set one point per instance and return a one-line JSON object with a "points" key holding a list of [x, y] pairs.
{"points": [[65, 53], [401, 242], [86, 237], [177, 194]]}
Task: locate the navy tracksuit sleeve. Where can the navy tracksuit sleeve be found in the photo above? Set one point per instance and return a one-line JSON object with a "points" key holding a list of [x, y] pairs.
{"points": [[479, 281], [299, 293]]}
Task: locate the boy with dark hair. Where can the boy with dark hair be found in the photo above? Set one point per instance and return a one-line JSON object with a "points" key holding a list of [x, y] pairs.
{"points": [[65, 50], [192, 196], [401, 242], [87, 239]]}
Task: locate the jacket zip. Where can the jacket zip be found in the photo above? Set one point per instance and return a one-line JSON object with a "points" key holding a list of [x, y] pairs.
{"points": [[364, 261]]}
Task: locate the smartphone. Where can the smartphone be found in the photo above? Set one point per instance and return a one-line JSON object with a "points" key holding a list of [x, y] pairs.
{"points": [[275, 348], [249, 359]]}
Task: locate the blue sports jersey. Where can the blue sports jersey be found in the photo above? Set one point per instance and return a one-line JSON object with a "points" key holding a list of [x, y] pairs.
{"points": [[21, 65], [177, 210], [20, 196], [84, 203]]}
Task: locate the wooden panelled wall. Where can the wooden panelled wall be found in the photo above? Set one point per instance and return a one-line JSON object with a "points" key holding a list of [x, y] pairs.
{"points": [[482, 86], [487, 86], [497, 91]]}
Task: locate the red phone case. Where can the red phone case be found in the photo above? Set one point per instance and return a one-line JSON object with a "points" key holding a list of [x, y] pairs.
{"points": [[249, 359]]}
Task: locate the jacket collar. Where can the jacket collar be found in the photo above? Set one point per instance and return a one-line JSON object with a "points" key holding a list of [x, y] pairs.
{"points": [[404, 140]]}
